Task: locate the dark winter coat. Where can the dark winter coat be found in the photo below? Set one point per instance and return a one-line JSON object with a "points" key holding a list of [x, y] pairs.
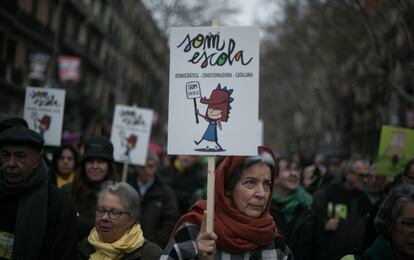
{"points": [[184, 184], [62, 232], [349, 235], [183, 247], [379, 250], [86, 217], [59, 241], [159, 211], [299, 232], [148, 251]]}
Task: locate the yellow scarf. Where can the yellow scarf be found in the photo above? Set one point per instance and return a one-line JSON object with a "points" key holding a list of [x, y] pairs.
{"points": [[60, 181], [131, 240], [178, 166]]}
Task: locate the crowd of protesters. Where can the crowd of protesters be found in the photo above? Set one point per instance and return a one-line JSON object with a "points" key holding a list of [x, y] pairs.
{"points": [[73, 205]]}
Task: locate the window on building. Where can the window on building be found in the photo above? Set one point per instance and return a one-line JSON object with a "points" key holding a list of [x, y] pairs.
{"points": [[26, 5], [83, 35], [34, 8], [2, 51], [50, 15], [2, 45], [43, 12], [10, 51]]}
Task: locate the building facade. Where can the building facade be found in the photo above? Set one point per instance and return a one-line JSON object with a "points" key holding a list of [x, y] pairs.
{"points": [[124, 58]]}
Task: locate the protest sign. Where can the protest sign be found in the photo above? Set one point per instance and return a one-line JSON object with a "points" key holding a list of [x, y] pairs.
{"points": [[131, 132], [395, 150], [38, 64], [43, 110], [213, 97], [69, 67]]}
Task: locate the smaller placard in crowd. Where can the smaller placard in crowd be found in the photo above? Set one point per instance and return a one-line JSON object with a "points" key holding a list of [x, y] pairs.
{"points": [[69, 68], [131, 132], [43, 110], [396, 148]]}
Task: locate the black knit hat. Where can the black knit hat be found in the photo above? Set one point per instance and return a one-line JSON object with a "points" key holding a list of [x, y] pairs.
{"points": [[12, 122], [23, 136], [98, 147]]}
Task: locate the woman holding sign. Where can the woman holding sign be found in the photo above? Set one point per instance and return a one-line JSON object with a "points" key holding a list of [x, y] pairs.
{"points": [[243, 227]]}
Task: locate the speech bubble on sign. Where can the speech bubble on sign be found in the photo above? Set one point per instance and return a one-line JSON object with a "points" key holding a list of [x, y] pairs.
{"points": [[193, 89]]}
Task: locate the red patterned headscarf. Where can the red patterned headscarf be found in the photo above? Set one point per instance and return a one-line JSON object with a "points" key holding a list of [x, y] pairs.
{"points": [[235, 231]]}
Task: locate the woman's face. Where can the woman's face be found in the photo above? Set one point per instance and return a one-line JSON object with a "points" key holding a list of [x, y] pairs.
{"points": [[96, 169], [402, 232], [66, 162], [288, 178], [111, 219], [252, 191]]}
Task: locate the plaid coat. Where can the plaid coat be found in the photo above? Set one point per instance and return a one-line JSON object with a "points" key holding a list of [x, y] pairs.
{"points": [[183, 246]]}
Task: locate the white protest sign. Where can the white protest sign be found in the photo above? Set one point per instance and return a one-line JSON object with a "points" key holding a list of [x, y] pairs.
{"points": [[131, 132], [43, 110], [193, 89], [214, 91]]}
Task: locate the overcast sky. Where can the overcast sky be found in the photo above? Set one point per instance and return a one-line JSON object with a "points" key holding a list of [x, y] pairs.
{"points": [[252, 12]]}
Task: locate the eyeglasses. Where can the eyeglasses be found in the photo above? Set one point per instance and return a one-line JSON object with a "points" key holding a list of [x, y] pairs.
{"points": [[406, 224], [112, 213], [363, 176]]}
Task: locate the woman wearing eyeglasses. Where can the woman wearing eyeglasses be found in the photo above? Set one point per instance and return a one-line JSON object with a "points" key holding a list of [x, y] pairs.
{"points": [[97, 166], [117, 233], [243, 227], [395, 225]]}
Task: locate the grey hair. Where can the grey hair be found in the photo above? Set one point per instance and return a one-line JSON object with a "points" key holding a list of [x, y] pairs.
{"points": [[128, 196], [263, 158], [350, 166], [391, 206]]}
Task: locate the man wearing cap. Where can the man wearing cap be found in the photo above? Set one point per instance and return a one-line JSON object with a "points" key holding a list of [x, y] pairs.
{"points": [[36, 220], [12, 121]]}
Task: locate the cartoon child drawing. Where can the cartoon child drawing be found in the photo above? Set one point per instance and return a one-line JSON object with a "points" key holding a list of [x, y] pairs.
{"points": [[130, 144], [44, 124], [217, 111]]}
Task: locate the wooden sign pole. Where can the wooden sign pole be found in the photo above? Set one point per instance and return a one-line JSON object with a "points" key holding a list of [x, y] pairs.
{"points": [[125, 172], [211, 181], [210, 192]]}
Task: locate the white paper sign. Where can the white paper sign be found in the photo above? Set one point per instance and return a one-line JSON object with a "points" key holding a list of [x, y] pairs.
{"points": [[131, 132], [43, 110], [193, 89], [214, 91]]}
